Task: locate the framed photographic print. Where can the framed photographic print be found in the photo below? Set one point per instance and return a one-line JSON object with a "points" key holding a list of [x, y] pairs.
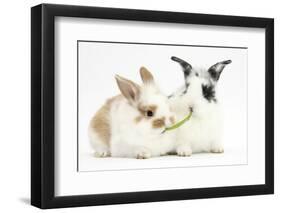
{"points": [[139, 106]]}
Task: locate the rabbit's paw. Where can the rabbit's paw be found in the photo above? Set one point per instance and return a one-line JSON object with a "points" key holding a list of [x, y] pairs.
{"points": [[184, 151], [143, 154], [102, 154], [217, 150]]}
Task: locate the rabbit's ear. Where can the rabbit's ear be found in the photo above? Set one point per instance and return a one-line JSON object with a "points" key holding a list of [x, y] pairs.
{"points": [[185, 66], [146, 76], [129, 89], [216, 69]]}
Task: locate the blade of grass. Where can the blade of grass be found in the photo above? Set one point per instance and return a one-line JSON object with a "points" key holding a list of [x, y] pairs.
{"points": [[178, 124]]}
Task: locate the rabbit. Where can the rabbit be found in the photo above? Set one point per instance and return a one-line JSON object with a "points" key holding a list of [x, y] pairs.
{"points": [[203, 132], [130, 125]]}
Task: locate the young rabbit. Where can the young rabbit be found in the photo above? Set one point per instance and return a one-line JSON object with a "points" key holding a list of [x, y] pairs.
{"points": [[202, 133], [130, 125]]}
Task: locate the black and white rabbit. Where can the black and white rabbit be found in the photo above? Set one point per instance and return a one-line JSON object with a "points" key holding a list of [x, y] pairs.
{"points": [[202, 133]]}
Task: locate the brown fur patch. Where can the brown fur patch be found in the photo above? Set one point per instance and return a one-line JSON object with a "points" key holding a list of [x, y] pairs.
{"points": [[115, 98], [158, 123], [100, 122]]}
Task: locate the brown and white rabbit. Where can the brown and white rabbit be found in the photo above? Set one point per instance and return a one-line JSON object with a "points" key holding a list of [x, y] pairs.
{"points": [[130, 125]]}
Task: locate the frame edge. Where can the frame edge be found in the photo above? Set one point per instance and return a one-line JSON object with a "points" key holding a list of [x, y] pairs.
{"points": [[36, 155], [269, 101]]}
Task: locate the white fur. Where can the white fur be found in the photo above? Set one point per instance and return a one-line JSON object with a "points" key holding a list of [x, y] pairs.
{"points": [[136, 139], [202, 133]]}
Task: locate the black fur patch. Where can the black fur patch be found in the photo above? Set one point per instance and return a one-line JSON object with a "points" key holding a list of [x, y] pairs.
{"points": [[186, 66], [216, 70], [185, 90], [215, 75], [171, 96], [186, 73], [209, 92]]}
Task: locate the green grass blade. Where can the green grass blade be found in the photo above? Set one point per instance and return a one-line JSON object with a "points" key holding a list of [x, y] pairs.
{"points": [[180, 123]]}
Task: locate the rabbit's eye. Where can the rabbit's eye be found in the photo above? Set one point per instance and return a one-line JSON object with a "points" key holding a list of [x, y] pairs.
{"points": [[149, 113]]}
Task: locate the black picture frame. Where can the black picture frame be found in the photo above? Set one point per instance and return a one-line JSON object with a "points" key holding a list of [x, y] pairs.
{"points": [[43, 102]]}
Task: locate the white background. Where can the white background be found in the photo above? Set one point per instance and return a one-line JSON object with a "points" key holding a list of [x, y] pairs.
{"points": [[15, 106], [234, 171], [99, 62]]}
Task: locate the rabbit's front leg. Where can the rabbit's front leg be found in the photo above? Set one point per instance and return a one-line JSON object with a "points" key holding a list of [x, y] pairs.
{"points": [[217, 147], [184, 150], [142, 153], [102, 153]]}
